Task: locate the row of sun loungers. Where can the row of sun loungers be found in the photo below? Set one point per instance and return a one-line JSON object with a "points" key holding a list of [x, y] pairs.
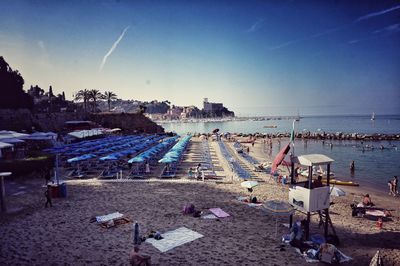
{"points": [[235, 167]]}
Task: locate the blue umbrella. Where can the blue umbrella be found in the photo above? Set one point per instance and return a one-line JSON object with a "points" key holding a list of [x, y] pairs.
{"points": [[137, 159], [81, 158], [109, 158]]}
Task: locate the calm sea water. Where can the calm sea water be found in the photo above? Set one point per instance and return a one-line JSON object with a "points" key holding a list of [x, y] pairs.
{"points": [[389, 124], [374, 166]]}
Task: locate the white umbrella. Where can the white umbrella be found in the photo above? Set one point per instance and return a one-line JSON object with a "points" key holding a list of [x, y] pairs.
{"points": [[249, 184], [337, 192], [278, 209]]}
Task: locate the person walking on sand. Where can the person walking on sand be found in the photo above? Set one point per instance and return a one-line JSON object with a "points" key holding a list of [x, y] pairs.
{"points": [[147, 167], [390, 185], [48, 198], [197, 173], [394, 183], [47, 174]]}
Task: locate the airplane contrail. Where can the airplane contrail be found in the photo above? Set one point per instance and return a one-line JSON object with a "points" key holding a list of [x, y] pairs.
{"points": [[113, 47], [379, 13]]}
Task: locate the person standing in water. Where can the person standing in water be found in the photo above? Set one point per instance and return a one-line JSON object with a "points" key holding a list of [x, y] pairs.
{"points": [[352, 167]]}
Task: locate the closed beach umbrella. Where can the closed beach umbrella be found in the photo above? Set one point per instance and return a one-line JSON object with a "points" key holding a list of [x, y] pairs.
{"points": [[337, 192], [249, 184], [279, 158], [136, 234], [278, 209]]}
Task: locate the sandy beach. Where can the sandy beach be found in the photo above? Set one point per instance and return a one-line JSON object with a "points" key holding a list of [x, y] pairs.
{"points": [[64, 235]]}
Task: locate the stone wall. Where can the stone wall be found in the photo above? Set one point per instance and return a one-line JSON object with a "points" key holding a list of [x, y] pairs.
{"points": [[24, 120]]}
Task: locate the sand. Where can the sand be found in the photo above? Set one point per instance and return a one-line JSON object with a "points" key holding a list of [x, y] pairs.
{"points": [[64, 235]]}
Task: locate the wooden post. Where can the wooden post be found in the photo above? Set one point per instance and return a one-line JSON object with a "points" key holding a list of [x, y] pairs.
{"points": [[3, 195], [3, 191], [292, 180]]}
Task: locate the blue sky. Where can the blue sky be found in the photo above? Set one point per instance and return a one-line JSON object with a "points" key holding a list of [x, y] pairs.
{"points": [[257, 57]]}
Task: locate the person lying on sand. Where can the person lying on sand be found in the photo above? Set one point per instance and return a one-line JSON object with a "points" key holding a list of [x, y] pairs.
{"points": [[367, 201], [136, 259]]}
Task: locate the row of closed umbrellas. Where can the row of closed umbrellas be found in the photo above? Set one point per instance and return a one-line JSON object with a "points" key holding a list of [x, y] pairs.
{"points": [[150, 153], [176, 152]]}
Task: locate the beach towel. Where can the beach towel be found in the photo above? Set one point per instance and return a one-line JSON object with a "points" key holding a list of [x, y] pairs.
{"points": [[219, 212], [209, 216], [116, 222], [174, 238], [378, 213], [108, 217]]}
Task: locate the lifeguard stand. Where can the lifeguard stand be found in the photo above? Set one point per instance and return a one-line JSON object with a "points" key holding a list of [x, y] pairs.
{"points": [[307, 199]]}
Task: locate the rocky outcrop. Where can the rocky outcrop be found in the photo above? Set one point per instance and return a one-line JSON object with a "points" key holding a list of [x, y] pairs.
{"points": [[128, 122]]}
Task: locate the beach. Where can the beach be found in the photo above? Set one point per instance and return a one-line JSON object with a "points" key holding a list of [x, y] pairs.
{"points": [[65, 235]]}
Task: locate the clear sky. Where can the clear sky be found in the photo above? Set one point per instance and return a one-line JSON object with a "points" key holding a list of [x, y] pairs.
{"points": [[257, 57]]}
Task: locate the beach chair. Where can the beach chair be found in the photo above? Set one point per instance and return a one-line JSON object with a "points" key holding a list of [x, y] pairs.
{"points": [[109, 174]]}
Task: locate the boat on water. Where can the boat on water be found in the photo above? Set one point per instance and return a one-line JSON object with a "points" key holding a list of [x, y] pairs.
{"points": [[270, 126], [341, 183], [373, 116]]}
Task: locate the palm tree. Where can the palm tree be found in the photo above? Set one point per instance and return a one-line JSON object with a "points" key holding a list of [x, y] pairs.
{"points": [[109, 96], [95, 95], [84, 96]]}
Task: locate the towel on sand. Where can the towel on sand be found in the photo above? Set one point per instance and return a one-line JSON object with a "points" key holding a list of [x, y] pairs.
{"points": [[219, 212], [174, 238], [108, 217]]}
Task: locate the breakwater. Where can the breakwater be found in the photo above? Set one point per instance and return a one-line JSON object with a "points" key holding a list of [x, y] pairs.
{"points": [[320, 136]]}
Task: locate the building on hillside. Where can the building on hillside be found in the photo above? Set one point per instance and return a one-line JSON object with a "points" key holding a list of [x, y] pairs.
{"points": [[174, 112], [190, 111], [212, 107], [215, 109]]}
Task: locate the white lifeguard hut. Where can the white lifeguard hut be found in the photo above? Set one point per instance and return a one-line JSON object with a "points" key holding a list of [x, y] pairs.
{"points": [[305, 198]]}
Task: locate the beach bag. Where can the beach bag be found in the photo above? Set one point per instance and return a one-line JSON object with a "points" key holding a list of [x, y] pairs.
{"points": [[188, 209], [197, 214]]}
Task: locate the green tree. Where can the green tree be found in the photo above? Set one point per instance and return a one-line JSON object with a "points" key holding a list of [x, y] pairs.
{"points": [[109, 96], [83, 95], [95, 95], [11, 87]]}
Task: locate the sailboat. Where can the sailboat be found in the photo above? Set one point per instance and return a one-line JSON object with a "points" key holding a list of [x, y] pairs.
{"points": [[298, 116], [373, 116]]}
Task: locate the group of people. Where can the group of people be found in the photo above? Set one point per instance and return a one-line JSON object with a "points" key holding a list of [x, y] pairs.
{"points": [[197, 173], [392, 184]]}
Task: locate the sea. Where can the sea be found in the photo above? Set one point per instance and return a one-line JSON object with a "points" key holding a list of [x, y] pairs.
{"points": [[376, 162]]}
